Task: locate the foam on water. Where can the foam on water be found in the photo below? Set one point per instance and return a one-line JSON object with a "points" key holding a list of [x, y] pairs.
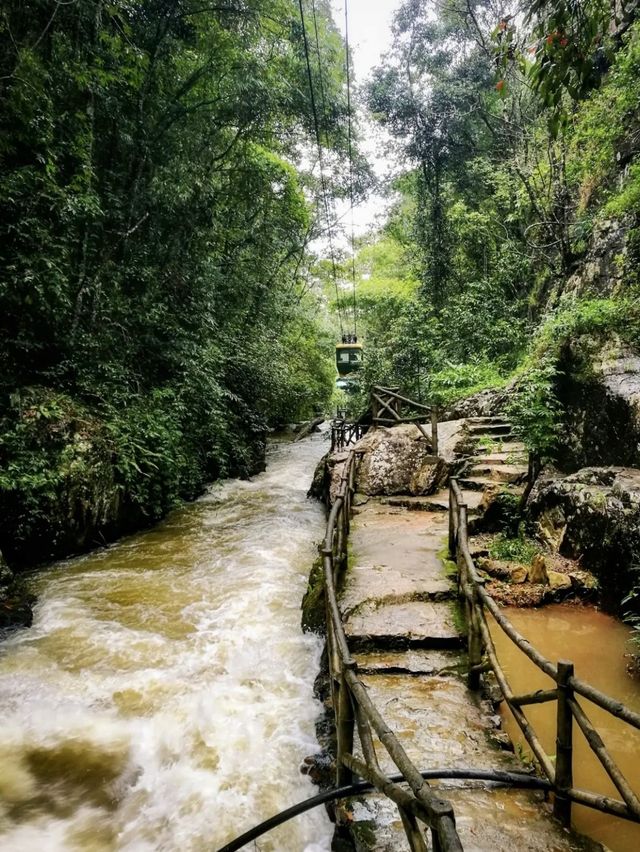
{"points": [[163, 697]]}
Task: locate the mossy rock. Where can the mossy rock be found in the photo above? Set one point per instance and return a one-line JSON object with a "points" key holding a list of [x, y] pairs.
{"points": [[313, 602]]}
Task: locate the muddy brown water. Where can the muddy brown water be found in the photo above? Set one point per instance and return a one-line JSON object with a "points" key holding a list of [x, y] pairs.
{"points": [[163, 699], [597, 644]]}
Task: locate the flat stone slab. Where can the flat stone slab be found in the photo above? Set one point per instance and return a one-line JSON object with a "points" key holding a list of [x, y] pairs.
{"points": [[433, 662], [437, 503], [420, 504], [397, 539], [499, 472], [443, 725], [480, 483], [502, 457], [414, 624], [478, 429], [379, 584], [438, 721]]}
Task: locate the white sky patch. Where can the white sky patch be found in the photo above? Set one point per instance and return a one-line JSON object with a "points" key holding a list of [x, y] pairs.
{"points": [[370, 38]]}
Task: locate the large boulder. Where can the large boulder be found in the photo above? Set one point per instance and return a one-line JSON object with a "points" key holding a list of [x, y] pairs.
{"points": [[594, 516], [328, 477], [486, 403], [398, 461]]}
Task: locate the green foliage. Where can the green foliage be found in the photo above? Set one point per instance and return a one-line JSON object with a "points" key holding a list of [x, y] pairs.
{"points": [[572, 40], [153, 233], [535, 408], [631, 615], [500, 199], [562, 49], [627, 199], [514, 549], [461, 380], [603, 134]]}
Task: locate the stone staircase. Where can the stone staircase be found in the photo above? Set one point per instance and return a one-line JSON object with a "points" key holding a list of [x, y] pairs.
{"points": [[400, 610]]}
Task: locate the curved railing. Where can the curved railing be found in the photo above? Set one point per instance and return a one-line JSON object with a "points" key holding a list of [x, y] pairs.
{"points": [[354, 708], [566, 686]]}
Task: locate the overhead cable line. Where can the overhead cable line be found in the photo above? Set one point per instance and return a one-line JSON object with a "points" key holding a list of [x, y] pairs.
{"points": [[316, 124], [350, 141]]}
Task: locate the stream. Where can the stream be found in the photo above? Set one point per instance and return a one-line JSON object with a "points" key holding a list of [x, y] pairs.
{"points": [[596, 644], [163, 699]]}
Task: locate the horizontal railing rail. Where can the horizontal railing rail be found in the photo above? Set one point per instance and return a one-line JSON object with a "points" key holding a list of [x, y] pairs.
{"points": [[566, 687]]}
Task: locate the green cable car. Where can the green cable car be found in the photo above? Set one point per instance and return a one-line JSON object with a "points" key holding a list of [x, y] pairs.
{"points": [[348, 355]]}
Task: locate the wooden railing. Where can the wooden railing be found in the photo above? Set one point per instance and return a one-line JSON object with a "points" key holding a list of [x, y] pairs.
{"points": [[390, 408], [344, 433], [564, 689], [353, 708]]}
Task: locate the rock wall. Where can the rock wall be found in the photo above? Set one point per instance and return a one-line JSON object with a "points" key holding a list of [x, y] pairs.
{"points": [[607, 266], [599, 387]]}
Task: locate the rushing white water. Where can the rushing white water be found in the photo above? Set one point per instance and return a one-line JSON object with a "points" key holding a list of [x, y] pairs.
{"points": [[163, 698]]}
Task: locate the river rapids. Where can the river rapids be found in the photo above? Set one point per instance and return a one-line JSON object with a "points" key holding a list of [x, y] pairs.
{"points": [[163, 699]]}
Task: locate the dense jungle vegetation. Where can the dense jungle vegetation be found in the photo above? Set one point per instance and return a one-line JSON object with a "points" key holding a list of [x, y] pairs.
{"points": [[160, 304], [157, 197]]}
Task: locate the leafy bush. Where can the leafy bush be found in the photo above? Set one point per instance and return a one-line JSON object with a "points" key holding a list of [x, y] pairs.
{"points": [[514, 549], [460, 380]]}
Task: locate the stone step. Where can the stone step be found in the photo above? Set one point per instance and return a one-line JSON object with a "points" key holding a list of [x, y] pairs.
{"points": [[501, 457], [481, 483], [415, 624], [412, 580], [487, 820], [511, 446], [441, 725], [396, 538], [436, 503], [493, 418], [490, 429], [417, 504], [411, 663], [509, 473]]}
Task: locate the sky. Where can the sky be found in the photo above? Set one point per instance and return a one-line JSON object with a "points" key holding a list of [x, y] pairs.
{"points": [[369, 37]]}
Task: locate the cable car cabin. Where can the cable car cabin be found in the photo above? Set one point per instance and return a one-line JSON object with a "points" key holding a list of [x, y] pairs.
{"points": [[348, 358]]}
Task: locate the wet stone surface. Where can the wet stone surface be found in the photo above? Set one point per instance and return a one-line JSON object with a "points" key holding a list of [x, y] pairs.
{"points": [[401, 617]]}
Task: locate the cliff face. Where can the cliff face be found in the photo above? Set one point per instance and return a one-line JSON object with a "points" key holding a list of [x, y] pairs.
{"points": [[611, 263], [599, 387], [599, 370]]}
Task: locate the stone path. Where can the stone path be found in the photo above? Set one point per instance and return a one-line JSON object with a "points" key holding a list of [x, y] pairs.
{"points": [[401, 616]]}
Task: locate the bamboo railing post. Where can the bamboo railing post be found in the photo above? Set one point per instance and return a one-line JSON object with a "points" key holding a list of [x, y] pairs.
{"points": [[412, 829], [435, 840], [564, 745], [434, 430], [475, 642], [344, 731], [374, 407], [452, 510]]}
